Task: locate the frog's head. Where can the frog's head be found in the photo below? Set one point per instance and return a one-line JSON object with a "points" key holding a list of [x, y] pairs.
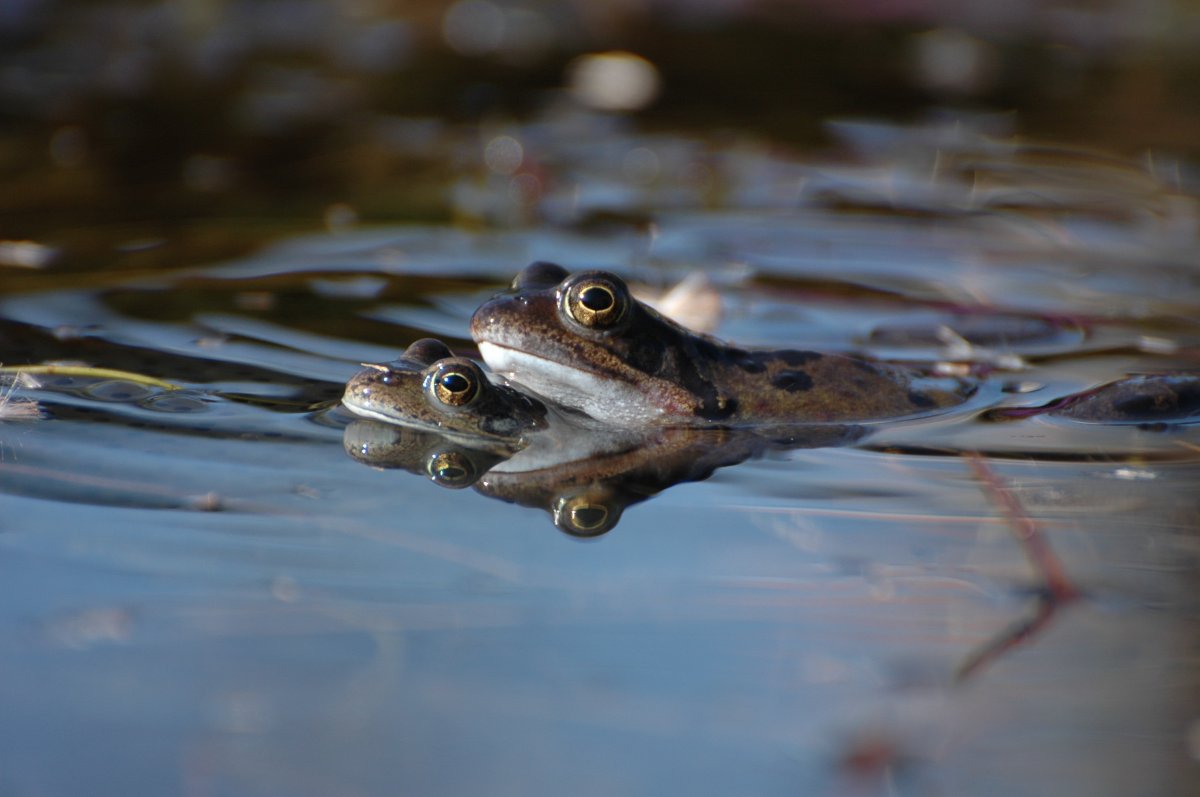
{"points": [[582, 340], [427, 387]]}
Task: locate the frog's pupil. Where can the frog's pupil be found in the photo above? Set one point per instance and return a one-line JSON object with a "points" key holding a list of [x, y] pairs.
{"points": [[596, 299], [455, 383]]}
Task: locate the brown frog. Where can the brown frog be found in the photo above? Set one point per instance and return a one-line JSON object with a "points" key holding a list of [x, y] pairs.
{"points": [[584, 342], [429, 388]]}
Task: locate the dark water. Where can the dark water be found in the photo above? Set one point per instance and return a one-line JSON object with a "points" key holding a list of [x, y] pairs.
{"points": [[204, 595]]}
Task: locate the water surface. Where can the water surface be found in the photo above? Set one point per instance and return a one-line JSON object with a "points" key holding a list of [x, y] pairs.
{"points": [[203, 594]]}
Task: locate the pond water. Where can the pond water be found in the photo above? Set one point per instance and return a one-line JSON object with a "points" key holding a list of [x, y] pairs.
{"points": [[205, 594]]}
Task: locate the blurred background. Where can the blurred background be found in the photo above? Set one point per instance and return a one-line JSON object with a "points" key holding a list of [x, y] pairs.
{"points": [[202, 594], [153, 132]]}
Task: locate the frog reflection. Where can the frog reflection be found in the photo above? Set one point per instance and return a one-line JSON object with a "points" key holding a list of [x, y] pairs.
{"points": [[447, 462], [586, 488], [584, 478]]}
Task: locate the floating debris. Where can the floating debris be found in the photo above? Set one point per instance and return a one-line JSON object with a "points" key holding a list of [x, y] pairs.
{"points": [[26, 254], [613, 81], [14, 408], [87, 372]]}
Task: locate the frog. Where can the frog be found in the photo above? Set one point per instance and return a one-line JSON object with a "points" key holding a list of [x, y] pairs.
{"points": [[582, 341], [509, 445], [431, 389]]}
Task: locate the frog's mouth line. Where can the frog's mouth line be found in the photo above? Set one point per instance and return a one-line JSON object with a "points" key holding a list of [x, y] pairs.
{"points": [[535, 371], [408, 422], [503, 359], [393, 418]]}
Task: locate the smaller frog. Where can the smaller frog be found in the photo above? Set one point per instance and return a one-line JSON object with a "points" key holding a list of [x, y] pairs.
{"points": [[429, 388], [584, 342]]}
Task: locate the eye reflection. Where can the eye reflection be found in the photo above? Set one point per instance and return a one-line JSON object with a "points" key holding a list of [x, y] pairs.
{"points": [[452, 469], [583, 515]]}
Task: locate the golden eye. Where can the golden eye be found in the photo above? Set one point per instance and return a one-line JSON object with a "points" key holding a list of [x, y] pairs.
{"points": [[595, 302], [451, 469], [454, 384]]}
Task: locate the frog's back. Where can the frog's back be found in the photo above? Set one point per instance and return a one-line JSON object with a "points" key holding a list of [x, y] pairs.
{"points": [[789, 385]]}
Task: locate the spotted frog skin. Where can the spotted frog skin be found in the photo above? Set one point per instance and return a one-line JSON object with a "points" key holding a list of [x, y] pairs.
{"points": [[584, 342], [429, 388]]}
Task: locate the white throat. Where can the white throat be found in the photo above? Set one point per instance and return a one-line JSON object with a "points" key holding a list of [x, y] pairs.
{"points": [[603, 398]]}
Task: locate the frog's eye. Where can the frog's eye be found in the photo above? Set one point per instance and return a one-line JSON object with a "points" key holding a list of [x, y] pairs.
{"points": [[454, 383], [595, 301]]}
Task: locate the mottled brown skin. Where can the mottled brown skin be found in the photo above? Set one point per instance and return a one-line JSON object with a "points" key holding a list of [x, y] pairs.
{"points": [[400, 392], [688, 377], [786, 385]]}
